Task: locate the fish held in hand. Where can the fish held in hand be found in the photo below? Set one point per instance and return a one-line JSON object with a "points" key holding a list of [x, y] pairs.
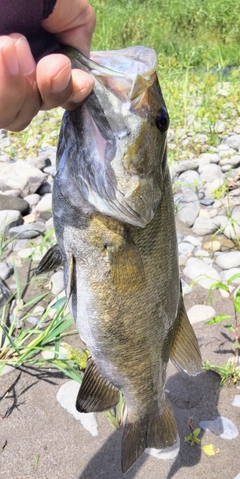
{"points": [[114, 220]]}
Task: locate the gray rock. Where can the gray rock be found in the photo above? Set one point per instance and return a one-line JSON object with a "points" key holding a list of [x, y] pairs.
{"points": [[32, 199], [201, 193], [228, 260], [201, 253], [49, 224], [187, 207], [210, 172], [233, 141], [40, 162], [181, 166], [232, 228], [236, 403], [207, 158], [213, 186], [226, 168], [185, 248], [192, 240], [182, 259], [5, 270], [220, 126], [44, 208], [204, 274], [66, 396], [190, 179], [50, 152], [45, 188], [200, 312], [20, 175], [57, 282], [186, 288], [27, 231], [50, 170], [8, 219], [18, 245], [204, 226], [14, 193], [220, 221], [207, 201], [213, 212], [227, 274], [5, 294], [221, 426], [233, 161], [12, 203], [217, 204]]}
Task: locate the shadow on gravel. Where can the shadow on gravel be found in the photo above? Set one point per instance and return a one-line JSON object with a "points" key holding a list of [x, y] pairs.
{"points": [[13, 395], [193, 399]]}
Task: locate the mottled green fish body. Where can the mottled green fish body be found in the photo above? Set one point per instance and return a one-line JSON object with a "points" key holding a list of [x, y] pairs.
{"points": [[114, 221]]}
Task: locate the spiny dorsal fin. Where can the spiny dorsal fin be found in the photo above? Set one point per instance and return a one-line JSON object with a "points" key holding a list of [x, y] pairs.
{"points": [[96, 394], [51, 260], [185, 353]]}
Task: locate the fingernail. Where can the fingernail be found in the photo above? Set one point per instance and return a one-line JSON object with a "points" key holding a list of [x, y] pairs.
{"points": [[26, 61], [61, 81], [82, 94], [10, 57]]}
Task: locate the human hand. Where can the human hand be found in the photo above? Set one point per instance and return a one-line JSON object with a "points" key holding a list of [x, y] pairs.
{"points": [[27, 87]]}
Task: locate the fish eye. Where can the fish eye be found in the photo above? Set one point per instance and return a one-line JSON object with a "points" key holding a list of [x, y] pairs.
{"points": [[162, 119]]}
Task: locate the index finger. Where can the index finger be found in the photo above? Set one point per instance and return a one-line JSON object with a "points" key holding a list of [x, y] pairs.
{"points": [[73, 26]]}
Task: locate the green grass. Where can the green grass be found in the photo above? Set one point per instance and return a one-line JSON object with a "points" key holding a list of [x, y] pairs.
{"points": [[190, 33]]}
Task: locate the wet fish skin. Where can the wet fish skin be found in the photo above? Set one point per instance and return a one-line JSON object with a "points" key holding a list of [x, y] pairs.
{"points": [[120, 260]]}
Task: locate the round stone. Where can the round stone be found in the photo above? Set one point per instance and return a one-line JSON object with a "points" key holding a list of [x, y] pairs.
{"points": [[227, 274], [228, 260], [200, 312], [185, 248], [201, 273]]}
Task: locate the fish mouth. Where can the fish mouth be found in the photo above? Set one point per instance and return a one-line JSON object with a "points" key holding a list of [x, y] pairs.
{"points": [[127, 73], [110, 135]]}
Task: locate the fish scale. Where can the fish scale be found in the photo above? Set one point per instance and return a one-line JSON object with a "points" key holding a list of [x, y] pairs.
{"points": [[114, 221]]}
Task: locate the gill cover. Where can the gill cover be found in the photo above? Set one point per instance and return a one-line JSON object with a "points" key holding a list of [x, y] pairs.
{"points": [[111, 153]]}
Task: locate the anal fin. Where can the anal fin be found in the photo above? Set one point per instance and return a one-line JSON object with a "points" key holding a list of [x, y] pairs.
{"points": [[156, 431], [96, 394], [185, 352]]}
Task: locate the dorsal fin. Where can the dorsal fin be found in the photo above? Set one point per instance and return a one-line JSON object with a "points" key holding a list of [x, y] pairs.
{"points": [[185, 352]]}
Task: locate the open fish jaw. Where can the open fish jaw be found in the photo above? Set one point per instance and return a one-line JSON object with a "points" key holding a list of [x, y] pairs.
{"points": [[116, 160]]}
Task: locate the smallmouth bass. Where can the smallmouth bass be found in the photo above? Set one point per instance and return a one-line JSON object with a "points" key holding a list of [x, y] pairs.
{"points": [[114, 221]]}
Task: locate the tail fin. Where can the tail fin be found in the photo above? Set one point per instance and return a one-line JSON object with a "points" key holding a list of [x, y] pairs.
{"points": [[157, 431]]}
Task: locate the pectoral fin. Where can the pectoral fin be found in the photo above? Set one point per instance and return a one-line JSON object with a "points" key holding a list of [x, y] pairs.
{"points": [[50, 261], [185, 353], [96, 394]]}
